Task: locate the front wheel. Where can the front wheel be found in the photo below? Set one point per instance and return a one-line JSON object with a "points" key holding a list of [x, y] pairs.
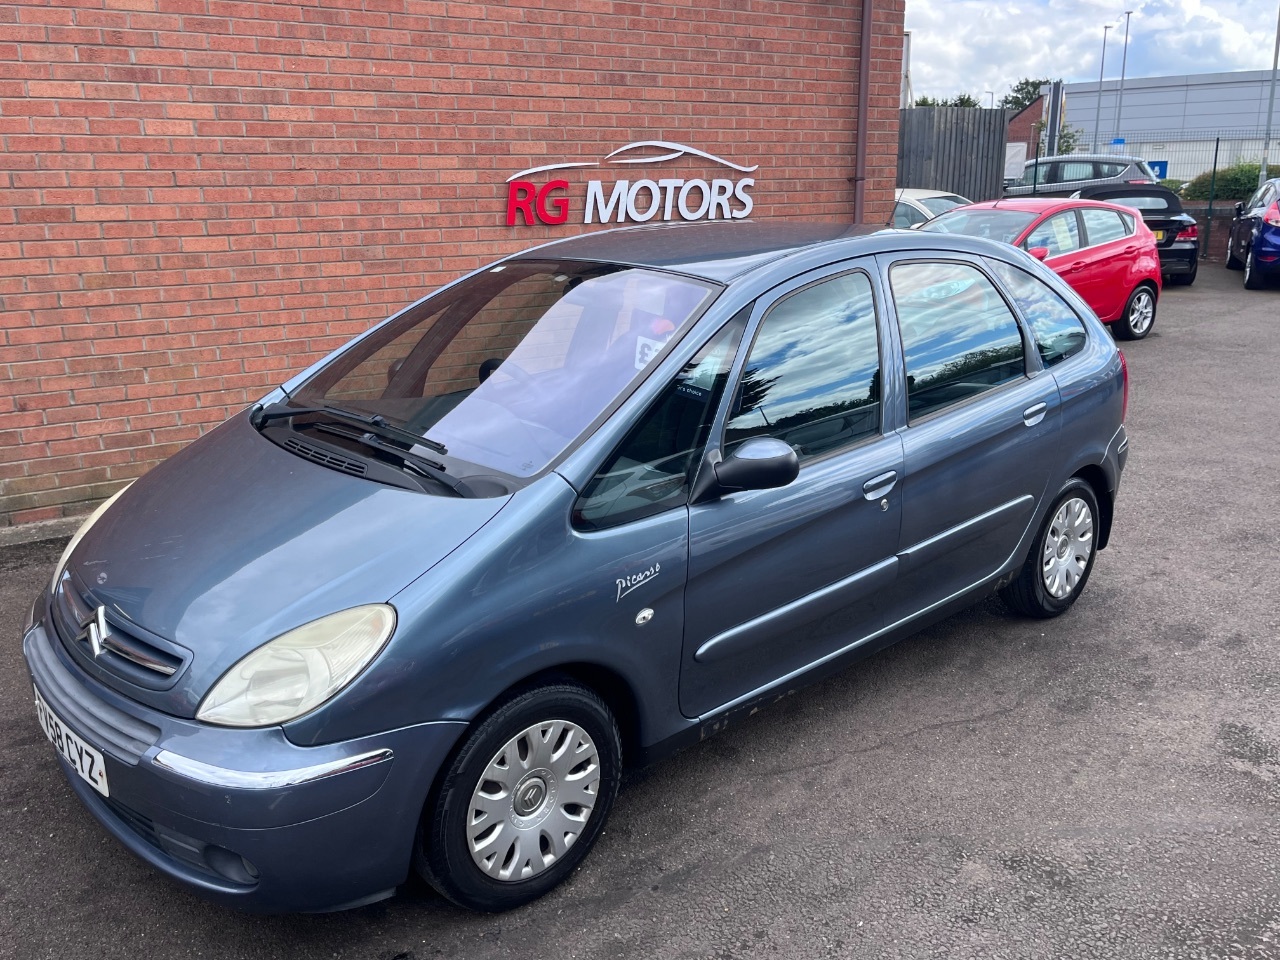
{"points": [[524, 799], [1233, 262], [1253, 279], [1139, 315], [1061, 557]]}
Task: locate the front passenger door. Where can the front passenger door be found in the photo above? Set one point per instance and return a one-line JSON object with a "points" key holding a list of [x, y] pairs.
{"points": [[781, 578]]}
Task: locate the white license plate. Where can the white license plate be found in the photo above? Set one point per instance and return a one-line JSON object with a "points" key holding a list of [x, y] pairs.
{"points": [[84, 760]]}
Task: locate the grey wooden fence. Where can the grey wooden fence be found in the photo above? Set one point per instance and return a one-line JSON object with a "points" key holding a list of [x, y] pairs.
{"points": [[960, 149]]}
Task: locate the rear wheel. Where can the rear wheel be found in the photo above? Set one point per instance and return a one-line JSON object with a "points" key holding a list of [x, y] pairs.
{"points": [[524, 800], [1061, 556], [1253, 279], [1139, 315]]}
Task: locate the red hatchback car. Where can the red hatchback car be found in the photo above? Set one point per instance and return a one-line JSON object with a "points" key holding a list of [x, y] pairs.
{"points": [[1104, 251]]}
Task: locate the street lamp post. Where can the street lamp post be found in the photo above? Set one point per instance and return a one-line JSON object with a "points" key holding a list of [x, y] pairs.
{"points": [[993, 98], [1271, 100], [1097, 116], [1124, 59]]}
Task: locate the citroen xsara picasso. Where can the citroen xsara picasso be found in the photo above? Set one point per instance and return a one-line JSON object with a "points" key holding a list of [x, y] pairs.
{"points": [[418, 607]]}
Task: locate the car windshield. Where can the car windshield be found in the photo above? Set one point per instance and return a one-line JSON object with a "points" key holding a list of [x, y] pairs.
{"points": [[1004, 225], [506, 368], [1139, 203], [937, 205]]}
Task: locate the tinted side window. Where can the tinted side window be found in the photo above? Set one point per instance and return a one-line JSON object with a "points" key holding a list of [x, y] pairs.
{"points": [[1034, 173], [959, 338], [651, 470], [1075, 170], [1103, 226], [813, 376], [1060, 233], [1110, 169], [1057, 330]]}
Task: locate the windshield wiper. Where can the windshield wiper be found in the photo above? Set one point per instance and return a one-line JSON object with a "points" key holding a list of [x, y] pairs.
{"points": [[412, 461], [376, 424]]}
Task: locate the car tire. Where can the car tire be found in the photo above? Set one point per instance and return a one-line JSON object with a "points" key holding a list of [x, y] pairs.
{"points": [[1061, 557], [1184, 279], [1253, 279], [1233, 262], [1139, 314], [524, 799]]}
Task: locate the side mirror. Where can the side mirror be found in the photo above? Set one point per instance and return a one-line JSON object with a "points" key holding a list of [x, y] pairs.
{"points": [[1039, 252], [1239, 207], [762, 463]]}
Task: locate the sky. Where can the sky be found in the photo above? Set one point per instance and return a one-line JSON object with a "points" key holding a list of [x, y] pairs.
{"points": [[975, 46]]}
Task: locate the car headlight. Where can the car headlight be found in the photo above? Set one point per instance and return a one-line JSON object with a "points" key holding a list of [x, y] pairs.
{"points": [[299, 670], [79, 535]]}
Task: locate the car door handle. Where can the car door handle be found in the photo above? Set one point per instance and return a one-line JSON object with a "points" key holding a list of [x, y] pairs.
{"points": [[1078, 265], [1034, 413], [877, 487]]}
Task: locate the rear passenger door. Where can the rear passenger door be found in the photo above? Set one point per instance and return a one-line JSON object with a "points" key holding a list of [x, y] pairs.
{"points": [[978, 432], [1107, 240]]}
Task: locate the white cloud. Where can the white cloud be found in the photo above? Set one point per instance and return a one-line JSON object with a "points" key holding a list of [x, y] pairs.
{"points": [[971, 46]]}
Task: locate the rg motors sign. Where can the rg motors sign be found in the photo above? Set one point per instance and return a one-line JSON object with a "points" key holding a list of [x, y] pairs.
{"points": [[631, 200]]}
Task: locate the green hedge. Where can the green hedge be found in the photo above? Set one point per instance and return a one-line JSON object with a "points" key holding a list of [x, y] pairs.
{"points": [[1234, 183]]}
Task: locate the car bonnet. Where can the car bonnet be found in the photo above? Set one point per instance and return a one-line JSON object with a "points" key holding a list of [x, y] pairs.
{"points": [[235, 541]]}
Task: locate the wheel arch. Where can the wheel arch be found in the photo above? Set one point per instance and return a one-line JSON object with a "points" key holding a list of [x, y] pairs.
{"points": [[1096, 477]]}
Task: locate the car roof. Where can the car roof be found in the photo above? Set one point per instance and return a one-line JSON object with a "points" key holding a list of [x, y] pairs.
{"points": [[1087, 156], [1038, 205], [1104, 191], [723, 250], [916, 193]]}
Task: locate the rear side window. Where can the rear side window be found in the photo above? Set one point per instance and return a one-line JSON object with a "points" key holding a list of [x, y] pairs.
{"points": [[1059, 234], [1056, 329], [813, 376], [959, 338], [1110, 169], [1074, 170], [1103, 226]]}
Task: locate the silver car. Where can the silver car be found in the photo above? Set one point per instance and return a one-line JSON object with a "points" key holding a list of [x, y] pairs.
{"points": [[1063, 176]]}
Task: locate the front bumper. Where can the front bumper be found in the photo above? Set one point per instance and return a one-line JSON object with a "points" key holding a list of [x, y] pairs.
{"points": [[244, 817]]}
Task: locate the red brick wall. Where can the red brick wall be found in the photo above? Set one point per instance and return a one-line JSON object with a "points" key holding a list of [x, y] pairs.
{"points": [[199, 197], [1022, 126]]}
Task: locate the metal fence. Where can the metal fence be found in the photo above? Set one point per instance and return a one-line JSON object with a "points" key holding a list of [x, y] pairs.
{"points": [[960, 149], [1211, 169]]}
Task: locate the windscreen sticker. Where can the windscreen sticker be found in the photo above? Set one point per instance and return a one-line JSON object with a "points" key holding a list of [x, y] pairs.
{"points": [[646, 350]]}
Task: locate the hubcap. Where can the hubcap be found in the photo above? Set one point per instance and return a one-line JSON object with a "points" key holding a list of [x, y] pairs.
{"points": [[533, 800], [1068, 543], [1142, 312]]}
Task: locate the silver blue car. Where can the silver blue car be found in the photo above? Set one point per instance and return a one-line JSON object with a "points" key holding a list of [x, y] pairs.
{"points": [[417, 608]]}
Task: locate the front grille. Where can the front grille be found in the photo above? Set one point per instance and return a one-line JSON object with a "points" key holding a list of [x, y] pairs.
{"points": [[124, 650], [125, 737], [325, 457]]}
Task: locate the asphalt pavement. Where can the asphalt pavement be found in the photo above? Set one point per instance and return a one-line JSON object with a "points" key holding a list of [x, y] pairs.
{"points": [[1104, 785]]}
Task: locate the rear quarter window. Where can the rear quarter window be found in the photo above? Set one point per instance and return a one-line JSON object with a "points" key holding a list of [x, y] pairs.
{"points": [[1057, 330]]}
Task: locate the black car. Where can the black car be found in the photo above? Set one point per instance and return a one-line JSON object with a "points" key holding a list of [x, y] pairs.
{"points": [[1177, 235]]}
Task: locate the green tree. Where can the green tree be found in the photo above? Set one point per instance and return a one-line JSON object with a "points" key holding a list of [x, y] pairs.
{"points": [[1070, 139], [1023, 94], [959, 100]]}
